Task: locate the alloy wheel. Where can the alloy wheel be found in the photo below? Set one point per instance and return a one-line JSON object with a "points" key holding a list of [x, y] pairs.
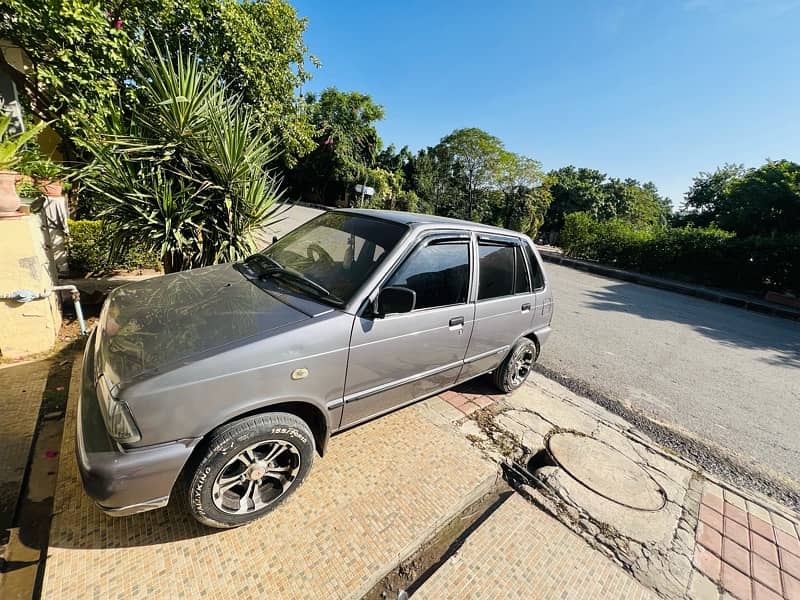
{"points": [[256, 477]]}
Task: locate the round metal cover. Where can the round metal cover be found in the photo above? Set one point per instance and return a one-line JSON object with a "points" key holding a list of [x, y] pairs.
{"points": [[606, 471]]}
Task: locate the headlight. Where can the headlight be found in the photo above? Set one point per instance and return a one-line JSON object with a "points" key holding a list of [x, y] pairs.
{"points": [[117, 416]]}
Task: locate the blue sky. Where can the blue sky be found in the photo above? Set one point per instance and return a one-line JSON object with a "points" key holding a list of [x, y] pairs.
{"points": [[655, 90]]}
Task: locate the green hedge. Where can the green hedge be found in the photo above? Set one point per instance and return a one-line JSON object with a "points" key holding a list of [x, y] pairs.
{"points": [[707, 256], [90, 251]]}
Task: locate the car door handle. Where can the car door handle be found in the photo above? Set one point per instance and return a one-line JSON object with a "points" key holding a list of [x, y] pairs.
{"points": [[526, 307], [455, 321]]}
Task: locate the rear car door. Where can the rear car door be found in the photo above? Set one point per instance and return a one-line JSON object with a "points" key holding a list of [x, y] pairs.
{"points": [[395, 359], [504, 303], [543, 296]]}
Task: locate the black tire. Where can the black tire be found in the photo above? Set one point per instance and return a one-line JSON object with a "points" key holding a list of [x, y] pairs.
{"points": [[510, 374], [228, 450]]}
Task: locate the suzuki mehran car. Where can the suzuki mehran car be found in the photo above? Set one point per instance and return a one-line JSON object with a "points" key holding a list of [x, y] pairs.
{"points": [[235, 375]]}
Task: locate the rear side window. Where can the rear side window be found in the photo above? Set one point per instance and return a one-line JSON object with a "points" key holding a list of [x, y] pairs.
{"points": [[496, 271], [438, 273], [522, 284], [536, 272]]}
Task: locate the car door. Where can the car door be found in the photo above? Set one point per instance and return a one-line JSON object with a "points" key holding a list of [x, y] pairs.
{"points": [[397, 358], [543, 295], [504, 303]]}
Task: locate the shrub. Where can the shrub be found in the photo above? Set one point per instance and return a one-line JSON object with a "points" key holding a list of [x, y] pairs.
{"points": [[707, 256], [90, 250]]}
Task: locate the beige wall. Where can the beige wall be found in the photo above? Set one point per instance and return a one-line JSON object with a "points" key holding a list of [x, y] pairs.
{"points": [[29, 327]]}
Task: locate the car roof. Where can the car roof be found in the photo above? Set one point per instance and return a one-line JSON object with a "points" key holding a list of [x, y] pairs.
{"points": [[417, 219]]}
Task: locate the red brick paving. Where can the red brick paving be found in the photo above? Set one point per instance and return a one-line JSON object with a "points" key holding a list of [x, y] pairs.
{"points": [[736, 513], [764, 593], [711, 517], [736, 555], [767, 573], [750, 557], [763, 547], [791, 587], [736, 582], [788, 542], [708, 563], [710, 538], [761, 527], [738, 533], [790, 563], [467, 403], [713, 501]]}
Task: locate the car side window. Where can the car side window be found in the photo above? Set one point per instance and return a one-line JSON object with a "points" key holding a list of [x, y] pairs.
{"points": [[522, 284], [496, 271], [438, 272], [536, 271]]}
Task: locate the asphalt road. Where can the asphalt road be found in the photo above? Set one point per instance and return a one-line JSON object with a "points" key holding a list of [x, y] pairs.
{"points": [[722, 374]]}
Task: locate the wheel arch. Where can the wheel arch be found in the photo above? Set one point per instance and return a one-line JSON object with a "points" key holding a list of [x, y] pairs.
{"points": [[307, 411]]}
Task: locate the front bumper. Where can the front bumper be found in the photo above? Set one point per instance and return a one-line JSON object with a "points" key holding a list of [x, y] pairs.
{"points": [[121, 481]]}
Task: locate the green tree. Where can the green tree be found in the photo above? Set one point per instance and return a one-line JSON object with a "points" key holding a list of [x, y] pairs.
{"points": [[347, 144], [85, 56], [708, 194], [476, 155], [434, 178], [516, 175], [640, 205], [575, 190], [189, 176], [765, 201]]}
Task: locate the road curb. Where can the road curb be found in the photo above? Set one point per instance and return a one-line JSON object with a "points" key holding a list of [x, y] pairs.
{"points": [[483, 488], [672, 286]]}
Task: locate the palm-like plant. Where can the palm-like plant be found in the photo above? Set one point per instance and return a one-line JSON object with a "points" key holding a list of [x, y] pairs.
{"points": [[10, 145], [189, 175]]}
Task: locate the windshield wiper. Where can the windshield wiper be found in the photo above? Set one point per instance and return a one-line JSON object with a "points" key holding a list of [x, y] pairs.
{"points": [[259, 259], [295, 276]]}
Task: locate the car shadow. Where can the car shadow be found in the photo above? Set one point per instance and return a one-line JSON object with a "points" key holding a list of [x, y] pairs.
{"points": [[730, 326], [480, 386]]}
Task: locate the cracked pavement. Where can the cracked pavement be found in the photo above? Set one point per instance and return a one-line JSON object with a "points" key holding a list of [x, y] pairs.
{"points": [[598, 501]]}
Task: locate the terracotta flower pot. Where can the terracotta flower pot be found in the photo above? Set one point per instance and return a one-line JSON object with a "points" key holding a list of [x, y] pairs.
{"points": [[50, 187], [9, 200]]}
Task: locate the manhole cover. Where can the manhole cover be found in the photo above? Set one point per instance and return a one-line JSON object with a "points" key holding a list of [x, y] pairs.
{"points": [[606, 471]]}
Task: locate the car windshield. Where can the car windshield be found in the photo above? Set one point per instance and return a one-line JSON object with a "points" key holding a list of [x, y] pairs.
{"points": [[331, 256]]}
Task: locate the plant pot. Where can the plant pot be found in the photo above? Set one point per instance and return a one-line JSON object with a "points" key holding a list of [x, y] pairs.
{"points": [[50, 187], [9, 200]]}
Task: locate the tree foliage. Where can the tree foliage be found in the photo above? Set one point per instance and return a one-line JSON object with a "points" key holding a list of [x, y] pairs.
{"points": [[761, 201], [189, 175], [708, 194], [476, 155], [347, 145], [765, 201], [85, 57], [590, 191]]}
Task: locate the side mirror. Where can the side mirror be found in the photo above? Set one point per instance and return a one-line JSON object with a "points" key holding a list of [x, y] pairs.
{"points": [[395, 299]]}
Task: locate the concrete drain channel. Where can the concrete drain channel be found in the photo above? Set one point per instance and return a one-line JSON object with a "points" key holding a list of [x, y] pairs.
{"points": [[409, 575], [602, 469]]}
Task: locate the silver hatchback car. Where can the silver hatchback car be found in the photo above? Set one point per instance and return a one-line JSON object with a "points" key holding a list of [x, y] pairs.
{"points": [[235, 375]]}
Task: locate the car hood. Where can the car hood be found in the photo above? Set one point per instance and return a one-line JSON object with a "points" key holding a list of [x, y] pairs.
{"points": [[160, 323]]}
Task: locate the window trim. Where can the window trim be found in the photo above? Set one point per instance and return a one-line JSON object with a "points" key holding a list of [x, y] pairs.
{"points": [[428, 238], [507, 241], [530, 255]]}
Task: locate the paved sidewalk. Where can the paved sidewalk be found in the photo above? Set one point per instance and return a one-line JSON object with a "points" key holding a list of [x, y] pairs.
{"points": [[381, 491], [745, 548], [521, 552], [23, 386]]}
